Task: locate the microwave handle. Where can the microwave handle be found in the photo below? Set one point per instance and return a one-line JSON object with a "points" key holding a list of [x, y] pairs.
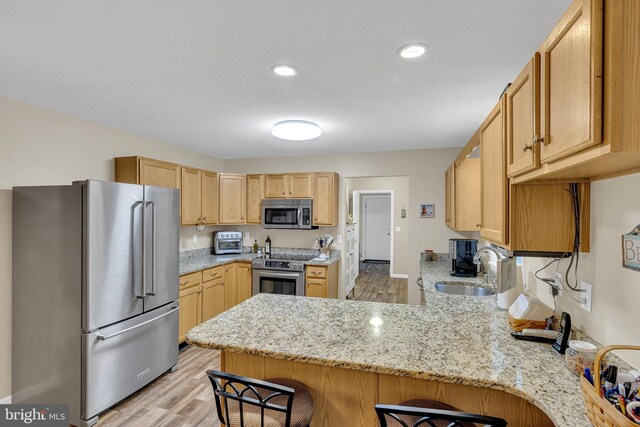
{"points": [[300, 217]]}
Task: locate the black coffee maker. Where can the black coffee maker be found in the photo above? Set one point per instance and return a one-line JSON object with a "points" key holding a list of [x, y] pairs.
{"points": [[462, 252]]}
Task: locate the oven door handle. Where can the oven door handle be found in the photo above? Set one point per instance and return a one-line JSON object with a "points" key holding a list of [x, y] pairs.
{"points": [[269, 273]]}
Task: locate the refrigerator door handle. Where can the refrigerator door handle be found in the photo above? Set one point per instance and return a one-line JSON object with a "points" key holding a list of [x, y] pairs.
{"points": [[115, 334], [139, 295], [144, 250], [153, 247]]}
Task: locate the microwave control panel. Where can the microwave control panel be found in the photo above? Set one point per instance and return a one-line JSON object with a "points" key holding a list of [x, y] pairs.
{"points": [[306, 216]]}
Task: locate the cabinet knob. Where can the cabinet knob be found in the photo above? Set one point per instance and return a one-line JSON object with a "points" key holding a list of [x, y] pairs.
{"points": [[526, 147], [204, 219], [538, 139], [478, 225], [316, 218]]}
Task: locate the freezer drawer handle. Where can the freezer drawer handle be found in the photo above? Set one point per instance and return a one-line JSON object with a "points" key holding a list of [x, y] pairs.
{"points": [[106, 337]]}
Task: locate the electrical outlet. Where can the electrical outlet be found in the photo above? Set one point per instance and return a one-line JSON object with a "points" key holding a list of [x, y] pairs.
{"points": [[195, 238], [559, 279], [585, 295]]}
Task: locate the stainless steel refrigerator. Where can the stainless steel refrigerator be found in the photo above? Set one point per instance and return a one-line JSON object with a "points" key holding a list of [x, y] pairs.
{"points": [[95, 290]]}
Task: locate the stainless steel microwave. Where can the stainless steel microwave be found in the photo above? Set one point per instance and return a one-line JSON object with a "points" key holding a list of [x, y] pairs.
{"points": [[288, 213]]}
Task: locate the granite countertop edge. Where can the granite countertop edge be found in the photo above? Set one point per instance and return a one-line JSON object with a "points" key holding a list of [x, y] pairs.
{"points": [[193, 265]]}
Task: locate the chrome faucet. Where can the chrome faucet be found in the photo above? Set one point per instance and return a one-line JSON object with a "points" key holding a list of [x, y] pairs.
{"points": [[505, 278]]}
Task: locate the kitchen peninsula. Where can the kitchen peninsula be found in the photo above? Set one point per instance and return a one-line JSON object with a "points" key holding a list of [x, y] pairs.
{"points": [[354, 354]]}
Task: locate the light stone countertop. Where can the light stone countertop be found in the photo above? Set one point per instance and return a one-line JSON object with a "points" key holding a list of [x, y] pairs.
{"points": [[456, 339], [201, 259]]}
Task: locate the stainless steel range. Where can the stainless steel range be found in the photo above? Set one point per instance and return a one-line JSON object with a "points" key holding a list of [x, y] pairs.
{"points": [[279, 274]]}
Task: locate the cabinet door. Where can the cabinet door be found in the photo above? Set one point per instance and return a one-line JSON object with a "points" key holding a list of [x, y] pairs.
{"points": [[159, 174], [190, 196], [212, 298], [300, 185], [190, 315], [255, 194], [450, 188], [209, 197], [230, 286], [494, 176], [523, 122], [232, 199], [316, 288], [324, 200], [275, 186], [467, 196], [243, 284], [571, 82]]}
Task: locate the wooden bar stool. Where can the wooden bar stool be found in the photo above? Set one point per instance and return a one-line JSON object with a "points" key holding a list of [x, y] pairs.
{"points": [[247, 402], [430, 413]]}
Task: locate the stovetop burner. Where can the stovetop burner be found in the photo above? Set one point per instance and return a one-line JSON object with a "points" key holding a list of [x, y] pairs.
{"points": [[287, 257]]}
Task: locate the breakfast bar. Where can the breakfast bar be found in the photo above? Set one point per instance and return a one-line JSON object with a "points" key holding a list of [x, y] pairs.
{"points": [[354, 354]]}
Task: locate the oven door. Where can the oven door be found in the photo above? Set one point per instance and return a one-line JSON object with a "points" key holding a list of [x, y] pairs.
{"points": [[278, 282], [281, 217]]}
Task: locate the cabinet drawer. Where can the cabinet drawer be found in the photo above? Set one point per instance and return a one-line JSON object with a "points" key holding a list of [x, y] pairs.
{"points": [[314, 271], [189, 280], [213, 273]]}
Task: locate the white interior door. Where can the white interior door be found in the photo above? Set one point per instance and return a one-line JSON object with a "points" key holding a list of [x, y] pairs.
{"points": [[377, 227]]}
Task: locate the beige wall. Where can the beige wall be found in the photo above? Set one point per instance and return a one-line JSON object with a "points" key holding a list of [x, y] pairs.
{"points": [[424, 170], [400, 187], [41, 147], [615, 210]]}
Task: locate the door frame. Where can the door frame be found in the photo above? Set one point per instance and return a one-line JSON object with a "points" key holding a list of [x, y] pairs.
{"points": [[357, 196]]}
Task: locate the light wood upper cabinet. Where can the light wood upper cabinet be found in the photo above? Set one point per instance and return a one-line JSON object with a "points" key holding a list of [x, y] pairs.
{"points": [[301, 185], [467, 196], [140, 170], [295, 185], [275, 186], [244, 280], [209, 193], [190, 196], [198, 197], [449, 197], [571, 82], [523, 120], [494, 176], [255, 194], [325, 200], [233, 198]]}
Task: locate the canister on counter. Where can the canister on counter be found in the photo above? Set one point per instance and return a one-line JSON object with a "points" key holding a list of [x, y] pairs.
{"points": [[580, 355]]}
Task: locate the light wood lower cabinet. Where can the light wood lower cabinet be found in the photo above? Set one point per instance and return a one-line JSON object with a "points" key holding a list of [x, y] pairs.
{"points": [[244, 273], [231, 286], [321, 281], [190, 299], [207, 293], [213, 287]]}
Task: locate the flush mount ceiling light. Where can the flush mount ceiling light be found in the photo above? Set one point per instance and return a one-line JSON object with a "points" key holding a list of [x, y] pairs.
{"points": [[412, 51], [296, 130], [284, 70]]}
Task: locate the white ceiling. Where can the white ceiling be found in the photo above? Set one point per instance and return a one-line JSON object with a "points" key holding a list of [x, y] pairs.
{"points": [[197, 73]]}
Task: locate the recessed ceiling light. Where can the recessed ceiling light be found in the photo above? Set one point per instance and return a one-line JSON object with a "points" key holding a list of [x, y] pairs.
{"points": [[296, 130], [284, 70], [412, 51]]}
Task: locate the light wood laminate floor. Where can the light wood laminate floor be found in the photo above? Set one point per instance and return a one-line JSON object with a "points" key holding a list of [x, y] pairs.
{"points": [[374, 284], [179, 399]]}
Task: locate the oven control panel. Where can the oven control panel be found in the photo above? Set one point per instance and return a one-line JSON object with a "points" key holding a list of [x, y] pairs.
{"points": [[284, 265]]}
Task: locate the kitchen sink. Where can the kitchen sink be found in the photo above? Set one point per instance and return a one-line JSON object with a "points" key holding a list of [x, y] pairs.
{"points": [[463, 288]]}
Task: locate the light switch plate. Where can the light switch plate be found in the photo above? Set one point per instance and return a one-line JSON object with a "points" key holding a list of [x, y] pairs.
{"points": [[585, 295], [398, 228], [339, 238], [195, 238]]}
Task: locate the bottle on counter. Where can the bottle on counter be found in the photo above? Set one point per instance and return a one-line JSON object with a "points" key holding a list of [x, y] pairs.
{"points": [[255, 246], [267, 246]]}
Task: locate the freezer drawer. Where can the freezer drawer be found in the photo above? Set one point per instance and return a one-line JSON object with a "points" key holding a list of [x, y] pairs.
{"points": [[122, 358]]}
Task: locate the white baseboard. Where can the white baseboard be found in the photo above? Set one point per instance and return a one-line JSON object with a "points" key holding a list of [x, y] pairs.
{"points": [[399, 276], [5, 400]]}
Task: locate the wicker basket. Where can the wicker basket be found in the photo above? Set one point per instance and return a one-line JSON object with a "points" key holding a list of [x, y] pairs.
{"points": [[600, 411], [521, 324]]}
